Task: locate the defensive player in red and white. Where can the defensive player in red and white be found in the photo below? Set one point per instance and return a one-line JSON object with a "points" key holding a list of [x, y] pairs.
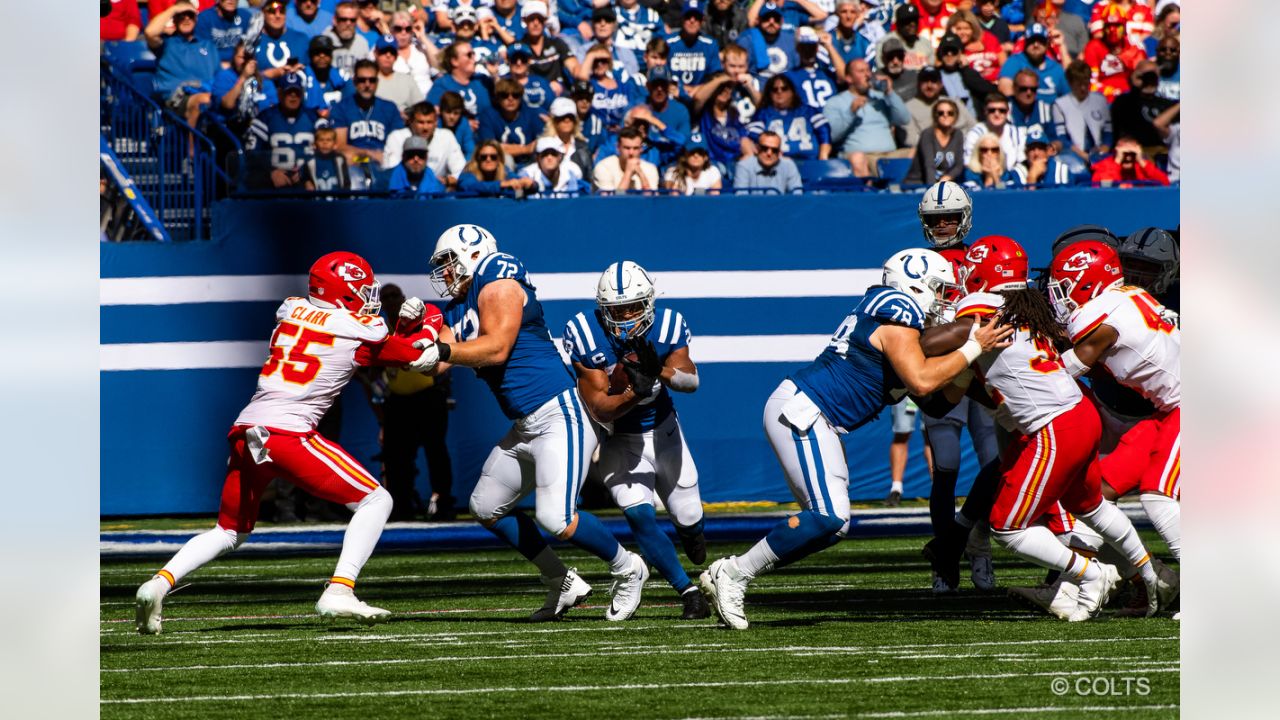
{"points": [[1055, 456], [1125, 329], [317, 344]]}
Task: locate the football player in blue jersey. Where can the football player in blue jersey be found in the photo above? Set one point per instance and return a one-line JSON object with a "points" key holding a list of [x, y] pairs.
{"points": [[494, 324], [646, 452], [873, 359]]}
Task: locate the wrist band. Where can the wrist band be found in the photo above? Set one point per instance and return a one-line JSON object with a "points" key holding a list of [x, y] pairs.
{"points": [[971, 350], [445, 351]]}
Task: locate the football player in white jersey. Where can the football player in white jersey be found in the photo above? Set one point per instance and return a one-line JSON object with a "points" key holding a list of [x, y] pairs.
{"points": [[318, 342], [1055, 456], [494, 324], [1124, 329], [628, 355]]}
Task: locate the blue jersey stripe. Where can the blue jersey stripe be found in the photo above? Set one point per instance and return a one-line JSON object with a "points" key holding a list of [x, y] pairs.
{"points": [[568, 438], [580, 421], [821, 472], [804, 469]]}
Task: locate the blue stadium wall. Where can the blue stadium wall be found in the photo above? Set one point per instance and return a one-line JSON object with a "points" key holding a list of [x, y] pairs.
{"points": [[184, 325]]}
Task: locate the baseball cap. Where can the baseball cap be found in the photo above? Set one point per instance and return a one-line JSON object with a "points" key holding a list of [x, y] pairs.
{"points": [[1162, 4], [950, 41], [292, 81], [1035, 136], [463, 13], [604, 13], [905, 14], [415, 143], [515, 49], [548, 143], [929, 72], [581, 88], [320, 44], [270, 3], [386, 42], [1036, 30], [484, 13], [562, 106], [659, 74], [533, 7], [770, 9], [692, 7], [806, 36]]}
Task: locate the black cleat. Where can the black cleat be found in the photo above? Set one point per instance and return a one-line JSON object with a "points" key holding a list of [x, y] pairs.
{"points": [[944, 560], [695, 605], [695, 547], [894, 499]]}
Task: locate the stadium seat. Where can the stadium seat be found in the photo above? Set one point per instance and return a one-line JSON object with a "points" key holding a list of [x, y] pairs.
{"points": [[813, 170], [893, 169]]}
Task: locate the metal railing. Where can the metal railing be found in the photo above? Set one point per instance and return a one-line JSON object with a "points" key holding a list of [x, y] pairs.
{"points": [[172, 164]]}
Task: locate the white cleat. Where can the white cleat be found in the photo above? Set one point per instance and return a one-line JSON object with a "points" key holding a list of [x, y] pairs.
{"points": [[1178, 616], [340, 601], [562, 594], [1095, 593], [1059, 599], [148, 602], [726, 592], [1165, 590], [981, 570], [940, 586], [627, 588]]}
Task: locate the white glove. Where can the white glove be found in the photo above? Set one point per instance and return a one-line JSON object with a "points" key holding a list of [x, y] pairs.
{"points": [[411, 311], [429, 358]]}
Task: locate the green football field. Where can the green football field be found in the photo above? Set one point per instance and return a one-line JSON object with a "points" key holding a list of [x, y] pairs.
{"points": [[850, 632]]}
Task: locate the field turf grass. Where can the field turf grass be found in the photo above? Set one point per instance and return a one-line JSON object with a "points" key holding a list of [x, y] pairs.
{"points": [[850, 632]]}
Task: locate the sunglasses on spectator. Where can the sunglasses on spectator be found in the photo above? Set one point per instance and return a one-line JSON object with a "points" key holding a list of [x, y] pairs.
{"points": [[895, 55], [1167, 50], [558, 118], [186, 15], [1028, 88], [509, 95], [487, 157], [362, 79], [944, 113], [770, 149], [997, 111], [988, 150], [779, 88], [548, 152], [400, 28], [415, 155], [274, 10], [340, 19]]}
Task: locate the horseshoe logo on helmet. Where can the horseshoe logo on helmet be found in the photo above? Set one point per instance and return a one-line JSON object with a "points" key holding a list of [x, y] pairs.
{"points": [[906, 267]]}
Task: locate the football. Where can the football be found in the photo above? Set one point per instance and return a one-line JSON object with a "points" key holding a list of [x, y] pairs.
{"points": [[618, 380]]}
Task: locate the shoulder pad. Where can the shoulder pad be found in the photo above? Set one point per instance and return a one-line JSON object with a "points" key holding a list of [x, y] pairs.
{"points": [[499, 266], [893, 306], [979, 304]]}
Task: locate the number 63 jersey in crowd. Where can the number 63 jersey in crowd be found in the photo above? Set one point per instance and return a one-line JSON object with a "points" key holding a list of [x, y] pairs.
{"points": [[1031, 387], [313, 355], [1146, 356], [534, 372]]}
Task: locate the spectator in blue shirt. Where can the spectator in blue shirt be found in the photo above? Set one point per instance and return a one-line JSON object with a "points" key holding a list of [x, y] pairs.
{"points": [[453, 117], [364, 121], [767, 168], [590, 123], [308, 18], [1169, 57], [410, 177], [1042, 166], [458, 61], [613, 91], [372, 22], [720, 127], [1027, 112], [987, 168], [240, 92], [513, 125], [224, 24], [816, 69], [604, 24], [1034, 56], [278, 44], [538, 93], [693, 55], [855, 34], [486, 174], [671, 119], [325, 84], [282, 138], [804, 131], [186, 64], [863, 118], [771, 34]]}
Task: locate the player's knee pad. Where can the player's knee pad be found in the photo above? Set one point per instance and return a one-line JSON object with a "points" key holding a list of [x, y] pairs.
{"points": [[684, 505], [483, 512], [553, 521]]}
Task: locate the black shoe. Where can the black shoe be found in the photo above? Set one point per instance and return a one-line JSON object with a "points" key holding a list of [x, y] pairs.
{"points": [[894, 499], [695, 605], [944, 559], [695, 547]]}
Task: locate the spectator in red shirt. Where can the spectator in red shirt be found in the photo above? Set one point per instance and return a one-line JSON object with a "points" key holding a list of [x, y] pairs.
{"points": [[934, 15], [1112, 57], [122, 22], [1137, 17], [982, 50], [158, 6], [1128, 164]]}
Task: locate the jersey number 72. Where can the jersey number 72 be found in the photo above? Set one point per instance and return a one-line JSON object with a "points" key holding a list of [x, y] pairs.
{"points": [[296, 366]]}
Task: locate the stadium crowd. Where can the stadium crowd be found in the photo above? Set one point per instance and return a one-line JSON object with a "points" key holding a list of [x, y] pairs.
{"points": [[495, 97]]}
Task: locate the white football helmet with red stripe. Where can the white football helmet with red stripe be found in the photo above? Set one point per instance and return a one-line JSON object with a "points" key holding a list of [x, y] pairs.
{"points": [[344, 280], [1080, 273]]}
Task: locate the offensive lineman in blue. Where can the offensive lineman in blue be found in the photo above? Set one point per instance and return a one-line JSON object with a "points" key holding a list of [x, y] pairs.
{"points": [[873, 359], [494, 323], [646, 452]]}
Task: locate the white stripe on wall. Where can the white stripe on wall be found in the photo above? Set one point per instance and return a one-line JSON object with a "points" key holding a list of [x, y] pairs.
{"points": [[251, 354], [695, 284]]}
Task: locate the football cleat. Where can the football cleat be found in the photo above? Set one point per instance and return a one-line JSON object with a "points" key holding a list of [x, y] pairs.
{"points": [[562, 594], [1095, 593], [944, 558], [894, 499], [941, 586], [340, 601], [1164, 591], [627, 588], [982, 572], [1058, 599], [726, 592], [695, 547], [148, 602], [695, 605]]}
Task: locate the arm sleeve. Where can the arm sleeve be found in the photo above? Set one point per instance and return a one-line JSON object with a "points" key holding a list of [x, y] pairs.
{"points": [[821, 128], [898, 113]]}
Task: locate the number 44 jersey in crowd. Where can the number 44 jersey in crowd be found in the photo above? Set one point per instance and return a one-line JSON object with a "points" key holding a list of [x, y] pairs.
{"points": [[313, 355]]}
